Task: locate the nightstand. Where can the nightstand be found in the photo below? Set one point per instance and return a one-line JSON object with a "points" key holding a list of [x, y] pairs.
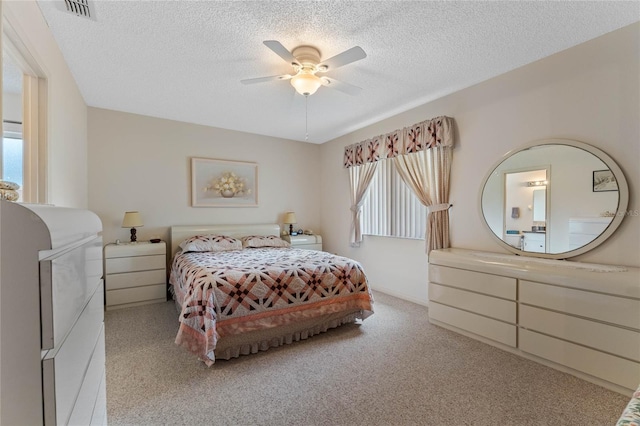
{"points": [[310, 242], [135, 274]]}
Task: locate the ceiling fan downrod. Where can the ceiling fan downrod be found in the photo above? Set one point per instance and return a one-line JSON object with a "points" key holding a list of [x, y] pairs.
{"points": [[306, 118]]}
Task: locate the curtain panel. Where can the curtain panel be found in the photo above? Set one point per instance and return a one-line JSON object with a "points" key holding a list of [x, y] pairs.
{"points": [[422, 154], [427, 173], [359, 181]]}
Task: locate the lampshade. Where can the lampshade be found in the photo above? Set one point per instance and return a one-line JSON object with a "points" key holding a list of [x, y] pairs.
{"points": [[289, 217], [306, 83], [132, 220]]}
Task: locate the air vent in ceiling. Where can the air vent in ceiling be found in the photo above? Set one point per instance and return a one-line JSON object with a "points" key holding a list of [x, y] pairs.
{"points": [[80, 8]]}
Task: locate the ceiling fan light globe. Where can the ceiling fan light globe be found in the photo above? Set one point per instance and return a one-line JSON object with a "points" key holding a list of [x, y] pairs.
{"points": [[306, 84]]}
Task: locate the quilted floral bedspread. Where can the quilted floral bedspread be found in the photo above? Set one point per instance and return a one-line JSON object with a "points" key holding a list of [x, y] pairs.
{"points": [[631, 414], [232, 292]]}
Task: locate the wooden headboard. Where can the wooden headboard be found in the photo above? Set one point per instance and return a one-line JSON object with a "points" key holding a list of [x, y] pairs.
{"points": [[180, 233]]}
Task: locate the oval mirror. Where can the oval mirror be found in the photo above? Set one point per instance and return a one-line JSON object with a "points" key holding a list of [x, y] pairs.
{"points": [[555, 199]]}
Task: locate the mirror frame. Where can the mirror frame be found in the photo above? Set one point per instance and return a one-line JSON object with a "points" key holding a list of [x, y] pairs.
{"points": [[623, 198]]}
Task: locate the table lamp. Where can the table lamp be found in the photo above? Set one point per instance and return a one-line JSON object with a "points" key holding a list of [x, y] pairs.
{"points": [[290, 218], [132, 220]]}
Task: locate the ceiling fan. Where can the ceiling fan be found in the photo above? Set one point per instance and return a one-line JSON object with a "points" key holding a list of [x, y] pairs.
{"points": [[306, 63]]}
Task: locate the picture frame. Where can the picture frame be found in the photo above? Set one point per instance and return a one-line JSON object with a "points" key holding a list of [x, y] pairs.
{"points": [[604, 181], [223, 183]]}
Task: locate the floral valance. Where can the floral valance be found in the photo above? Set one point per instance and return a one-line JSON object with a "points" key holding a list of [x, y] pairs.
{"points": [[419, 137]]}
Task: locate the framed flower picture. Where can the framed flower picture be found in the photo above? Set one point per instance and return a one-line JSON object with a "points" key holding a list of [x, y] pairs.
{"points": [[223, 183]]}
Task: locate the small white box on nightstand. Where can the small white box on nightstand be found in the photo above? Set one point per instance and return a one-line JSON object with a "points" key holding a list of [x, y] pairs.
{"points": [[310, 242]]}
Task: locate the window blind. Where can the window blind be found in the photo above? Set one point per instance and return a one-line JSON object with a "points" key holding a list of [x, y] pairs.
{"points": [[391, 209]]}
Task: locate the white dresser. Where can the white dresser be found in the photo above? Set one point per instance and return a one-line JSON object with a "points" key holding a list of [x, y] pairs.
{"points": [[310, 242], [135, 274], [581, 320], [52, 352]]}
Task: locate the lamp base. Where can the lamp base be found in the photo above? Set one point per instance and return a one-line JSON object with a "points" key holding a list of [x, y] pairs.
{"points": [[133, 235]]}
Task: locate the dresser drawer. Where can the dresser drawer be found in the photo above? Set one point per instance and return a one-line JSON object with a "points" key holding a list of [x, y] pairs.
{"points": [[135, 279], [493, 285], [63, 371], [137, 263], [99, 415], [477, 324], [317, 247], [86, 401], [500, 309], [150, 293], [67, 282], [612, 309], [137, 249], [615, 340], [604, 366]]}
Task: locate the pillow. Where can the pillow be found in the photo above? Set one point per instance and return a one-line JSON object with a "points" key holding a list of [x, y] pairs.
{"points": [[210, 243], [255, 241]]}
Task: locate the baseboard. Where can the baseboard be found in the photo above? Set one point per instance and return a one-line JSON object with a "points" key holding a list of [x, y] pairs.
{"points": [[403, 297]]}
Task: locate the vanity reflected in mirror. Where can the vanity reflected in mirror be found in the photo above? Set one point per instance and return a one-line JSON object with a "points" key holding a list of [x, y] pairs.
{"points": [[554, 198]]}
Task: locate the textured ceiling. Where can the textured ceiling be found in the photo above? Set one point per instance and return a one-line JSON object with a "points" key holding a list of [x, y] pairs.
{"points": [[183, 60]]}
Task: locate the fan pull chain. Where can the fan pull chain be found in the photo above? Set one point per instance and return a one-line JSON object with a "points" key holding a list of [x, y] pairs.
{"points": [[306, 117]]}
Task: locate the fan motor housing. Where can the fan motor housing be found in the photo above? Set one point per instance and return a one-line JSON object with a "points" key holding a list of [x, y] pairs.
{"points": [[307, 55]]}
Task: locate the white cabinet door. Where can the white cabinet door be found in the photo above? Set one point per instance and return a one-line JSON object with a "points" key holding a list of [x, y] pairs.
{"points": [[534, 242]]}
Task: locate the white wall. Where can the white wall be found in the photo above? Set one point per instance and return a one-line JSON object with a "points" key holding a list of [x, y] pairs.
{"points": [[588, 93], [67, 123], [143, 163]]}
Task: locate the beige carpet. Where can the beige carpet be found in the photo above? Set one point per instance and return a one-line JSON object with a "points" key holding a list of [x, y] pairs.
{"points": [[393, 369]]}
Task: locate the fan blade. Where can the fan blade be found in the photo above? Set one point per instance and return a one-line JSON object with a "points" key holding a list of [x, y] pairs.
{"points": [[348, 56], [280, 50], [347, 88], [263, 79]]}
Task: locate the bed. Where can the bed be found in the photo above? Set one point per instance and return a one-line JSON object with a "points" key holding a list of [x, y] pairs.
{"points": [[237, 300], [631, 414]]}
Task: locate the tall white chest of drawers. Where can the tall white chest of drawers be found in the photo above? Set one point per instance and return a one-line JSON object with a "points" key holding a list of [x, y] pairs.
{"points": [[135, 274], [52, 351], [583, 319]]}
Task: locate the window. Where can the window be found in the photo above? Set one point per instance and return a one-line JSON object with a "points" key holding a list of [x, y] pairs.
{"points": [[391, 209], [12, 154]]}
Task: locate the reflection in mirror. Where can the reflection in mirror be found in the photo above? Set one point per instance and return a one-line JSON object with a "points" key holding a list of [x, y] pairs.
{"points": [[540, 206], [551, 198], [520, 188]]}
